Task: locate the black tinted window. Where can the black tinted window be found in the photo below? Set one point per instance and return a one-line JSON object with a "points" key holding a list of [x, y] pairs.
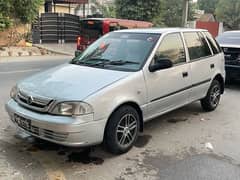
{"points": [[215, 47], [91, 28], [197, 45], [206, 47], [172, 48]]}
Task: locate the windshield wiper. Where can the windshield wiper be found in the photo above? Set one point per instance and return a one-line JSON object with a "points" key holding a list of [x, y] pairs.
{"points": [[104, 62], [122, 62], [89, 61]]}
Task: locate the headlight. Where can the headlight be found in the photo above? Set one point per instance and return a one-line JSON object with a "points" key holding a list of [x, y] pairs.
{"points": [[72, 109], [13, 93]]}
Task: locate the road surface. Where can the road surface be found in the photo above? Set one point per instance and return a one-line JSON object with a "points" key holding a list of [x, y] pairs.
{"points": [[185, 144]]}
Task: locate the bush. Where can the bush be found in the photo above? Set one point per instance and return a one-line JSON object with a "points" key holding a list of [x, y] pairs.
{"points": [[4, 22]]}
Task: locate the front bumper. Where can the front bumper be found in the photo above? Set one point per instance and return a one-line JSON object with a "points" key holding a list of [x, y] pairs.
{"points": [[232, 71], [69, 131]]}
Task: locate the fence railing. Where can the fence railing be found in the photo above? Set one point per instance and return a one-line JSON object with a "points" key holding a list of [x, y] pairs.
{"points": [[56, 28]]}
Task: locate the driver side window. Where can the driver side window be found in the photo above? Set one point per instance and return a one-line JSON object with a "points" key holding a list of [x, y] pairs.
{"points": [[172, 48]]}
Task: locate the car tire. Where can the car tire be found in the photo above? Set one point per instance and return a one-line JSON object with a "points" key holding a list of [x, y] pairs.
{"points": [[211, 101], [122, 130]]}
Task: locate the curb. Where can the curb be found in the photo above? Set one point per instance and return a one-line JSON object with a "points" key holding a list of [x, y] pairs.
{"points": [[52, 50]]}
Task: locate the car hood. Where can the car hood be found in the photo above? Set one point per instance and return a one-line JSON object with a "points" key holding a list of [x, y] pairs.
{"points": [[70, 82]]}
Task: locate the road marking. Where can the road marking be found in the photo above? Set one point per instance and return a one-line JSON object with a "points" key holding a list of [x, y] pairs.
{"points": [[20, 71]]}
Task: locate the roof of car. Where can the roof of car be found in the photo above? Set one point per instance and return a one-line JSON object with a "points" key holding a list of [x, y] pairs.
{"points": [[232, 31], [161, 30]]}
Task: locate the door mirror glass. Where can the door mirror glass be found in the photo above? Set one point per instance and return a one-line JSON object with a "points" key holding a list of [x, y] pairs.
{"points": [[160, 63]]}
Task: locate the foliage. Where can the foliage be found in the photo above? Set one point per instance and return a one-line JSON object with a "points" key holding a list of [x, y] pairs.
{"points": [[160, 12], [229, 13], [208, 6], [4, 22], [26, 10], [107, 10], [137, 9], [4, 9], [14, 11], [171, 13]]}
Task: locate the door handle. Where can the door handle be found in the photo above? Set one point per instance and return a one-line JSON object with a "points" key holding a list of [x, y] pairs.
{"points": [[185, 74], [212, 66]]}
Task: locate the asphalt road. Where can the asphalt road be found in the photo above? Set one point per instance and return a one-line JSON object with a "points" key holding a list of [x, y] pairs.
{"points": [[173, 147]]}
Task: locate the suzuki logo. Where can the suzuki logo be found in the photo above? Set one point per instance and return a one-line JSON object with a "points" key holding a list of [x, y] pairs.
{"points": [[30, 100]]}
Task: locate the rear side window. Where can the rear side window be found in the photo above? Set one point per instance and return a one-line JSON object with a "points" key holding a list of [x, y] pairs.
{"points": [[172, 48], [91, 28], [197, 45], [214, 45]]}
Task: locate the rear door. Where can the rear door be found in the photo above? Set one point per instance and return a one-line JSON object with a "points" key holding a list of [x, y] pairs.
{"points": [[202, 63], [169, 88]]}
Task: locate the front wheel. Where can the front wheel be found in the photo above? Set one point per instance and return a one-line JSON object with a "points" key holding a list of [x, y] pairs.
{"points": [[211, 101], [122, 130]]}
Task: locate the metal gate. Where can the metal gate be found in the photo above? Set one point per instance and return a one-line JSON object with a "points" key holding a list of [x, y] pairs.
{"points": [[56, 28]]}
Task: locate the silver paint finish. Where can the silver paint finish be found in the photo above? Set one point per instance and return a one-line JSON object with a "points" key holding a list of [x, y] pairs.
{"points": [[106, 90]]}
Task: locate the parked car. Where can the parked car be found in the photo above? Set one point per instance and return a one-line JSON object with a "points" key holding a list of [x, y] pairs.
{"points": [[93, 28], [230, 43], [122, 80]]}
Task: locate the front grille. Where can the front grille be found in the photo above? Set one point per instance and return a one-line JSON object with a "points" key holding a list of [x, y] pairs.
{"points": [[53, 135], [34, 103], [232, 55]]}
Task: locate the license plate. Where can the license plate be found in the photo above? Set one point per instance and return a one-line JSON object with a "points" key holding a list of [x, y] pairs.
{"points": [[22, 122]]}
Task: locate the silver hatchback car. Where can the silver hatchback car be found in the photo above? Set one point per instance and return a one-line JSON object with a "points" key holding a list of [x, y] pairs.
{"points": [[122, 80]]}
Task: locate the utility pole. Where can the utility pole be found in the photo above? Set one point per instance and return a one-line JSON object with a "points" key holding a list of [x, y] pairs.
{"points": [[185, 13]]}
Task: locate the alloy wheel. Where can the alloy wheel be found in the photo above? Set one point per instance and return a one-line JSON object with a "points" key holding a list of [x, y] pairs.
{"points": [[126, 130], [215, 95]]}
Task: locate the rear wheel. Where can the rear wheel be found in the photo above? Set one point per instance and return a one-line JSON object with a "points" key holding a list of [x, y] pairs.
{"points": [[211, 101], [122, 130]]}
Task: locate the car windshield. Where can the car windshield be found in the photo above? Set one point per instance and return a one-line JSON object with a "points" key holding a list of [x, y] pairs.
{"points": [[232, 38], [119, 51]]}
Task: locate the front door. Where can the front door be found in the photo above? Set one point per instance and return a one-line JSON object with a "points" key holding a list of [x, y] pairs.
{"points": [[168, 88]]}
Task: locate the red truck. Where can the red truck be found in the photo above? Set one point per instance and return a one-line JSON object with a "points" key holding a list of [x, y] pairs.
{"points": [[93, 28]]}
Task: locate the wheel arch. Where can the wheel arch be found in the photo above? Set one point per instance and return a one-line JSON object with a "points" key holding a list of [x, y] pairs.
{"points": [[132, 104], [220, 79]]}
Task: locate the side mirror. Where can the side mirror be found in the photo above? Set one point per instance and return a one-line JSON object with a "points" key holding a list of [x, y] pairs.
{"points": [[160, 63], [78, 53]]}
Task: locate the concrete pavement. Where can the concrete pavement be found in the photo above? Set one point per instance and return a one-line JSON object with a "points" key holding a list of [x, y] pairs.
{"points": [[172, 146]]}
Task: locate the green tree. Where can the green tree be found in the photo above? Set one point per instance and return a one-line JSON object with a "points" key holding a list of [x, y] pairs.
{"points": [[137, 9], [5, 22], [107, 10], [209, 6], [16, 11], [25, 10], [172, 13], [229, 13]]}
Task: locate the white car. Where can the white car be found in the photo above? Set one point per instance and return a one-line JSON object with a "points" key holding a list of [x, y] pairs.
{"points": [[122, 80]]}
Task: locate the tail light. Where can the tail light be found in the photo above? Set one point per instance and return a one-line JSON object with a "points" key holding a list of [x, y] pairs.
{"points": [[79, 38]]}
